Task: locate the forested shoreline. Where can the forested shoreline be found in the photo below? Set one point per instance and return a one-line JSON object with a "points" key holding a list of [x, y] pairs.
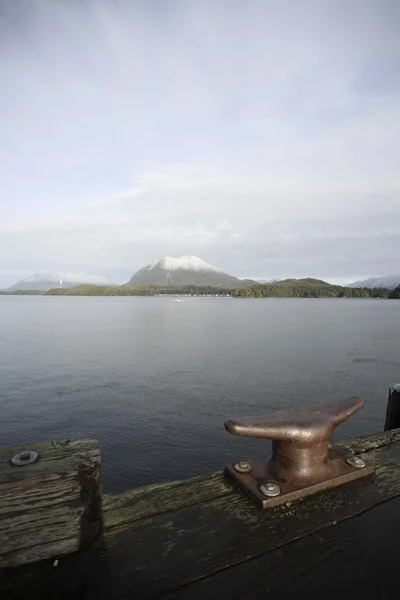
{"points": [[289, 288]]}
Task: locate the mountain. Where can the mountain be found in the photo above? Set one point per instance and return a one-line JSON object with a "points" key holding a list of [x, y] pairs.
{"points": [[186, 270], [388, 281], [310, 281], [47, 280]]}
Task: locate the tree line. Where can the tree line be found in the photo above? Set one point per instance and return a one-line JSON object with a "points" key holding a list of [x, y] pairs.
{"points": [[310, 289], [290, 288], [395, 294], [150, 290]]}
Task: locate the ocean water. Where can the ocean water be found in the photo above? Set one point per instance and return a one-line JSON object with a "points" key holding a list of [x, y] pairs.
{"points": [[153, 380]]}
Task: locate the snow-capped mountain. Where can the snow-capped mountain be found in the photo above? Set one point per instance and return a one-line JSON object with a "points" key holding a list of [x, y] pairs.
{"points": [[186, 270], [186, 263], [388, 281], [47, 280]]}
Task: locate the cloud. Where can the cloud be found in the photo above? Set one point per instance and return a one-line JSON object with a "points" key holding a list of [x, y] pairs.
{"points": [[68, 277], [260, 138]]}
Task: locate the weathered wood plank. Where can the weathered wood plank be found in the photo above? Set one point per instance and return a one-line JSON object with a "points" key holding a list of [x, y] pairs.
{"points": [[198, 541], [52, 505], [68, 453], [189, 547], [357, 558], [371, 442], [160, 498]]}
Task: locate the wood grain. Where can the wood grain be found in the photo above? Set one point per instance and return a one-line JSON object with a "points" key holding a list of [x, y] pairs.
{"points": [[160, 498], [203, 538], [50, 507], [372, 442], [355, 558], [198, 541]]}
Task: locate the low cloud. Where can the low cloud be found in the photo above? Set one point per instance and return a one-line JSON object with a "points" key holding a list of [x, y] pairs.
{"points": [[66, 277]]}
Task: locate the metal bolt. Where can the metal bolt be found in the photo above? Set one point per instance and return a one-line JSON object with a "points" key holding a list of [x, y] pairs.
{"points": [[243, 467], [356, 462], [24, 458], [270, 489]]}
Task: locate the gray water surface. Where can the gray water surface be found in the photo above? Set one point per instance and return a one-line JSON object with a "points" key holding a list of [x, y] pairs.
{"points": [[153, 380]]}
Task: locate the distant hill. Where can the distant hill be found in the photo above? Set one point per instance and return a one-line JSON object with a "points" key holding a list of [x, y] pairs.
{"points": [[307, 281], [308, 288], [184, 271], [389, 282], [47, 280]]}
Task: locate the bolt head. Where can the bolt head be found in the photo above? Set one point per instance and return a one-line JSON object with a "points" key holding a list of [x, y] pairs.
{"points": [[270, 489], [356, 462], [243, 467], [27, 457]]}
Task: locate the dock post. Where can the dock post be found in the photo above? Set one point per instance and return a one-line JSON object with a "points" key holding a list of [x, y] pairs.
{"points": [[393, 408], [50, 500]]}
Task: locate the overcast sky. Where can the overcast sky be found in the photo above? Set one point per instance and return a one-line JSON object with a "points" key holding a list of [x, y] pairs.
{"points": [[262, 136]]}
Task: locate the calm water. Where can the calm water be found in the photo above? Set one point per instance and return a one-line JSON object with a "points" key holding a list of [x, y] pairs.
{"points": [[153, 380]]}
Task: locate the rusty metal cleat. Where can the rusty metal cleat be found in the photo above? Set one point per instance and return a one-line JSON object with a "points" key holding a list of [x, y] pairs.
{"points": [[302, 461]]}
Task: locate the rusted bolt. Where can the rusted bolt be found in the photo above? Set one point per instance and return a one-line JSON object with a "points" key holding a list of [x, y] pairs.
{"points": [[243, 467], [270, 489], [27, 457], [356, 462]]}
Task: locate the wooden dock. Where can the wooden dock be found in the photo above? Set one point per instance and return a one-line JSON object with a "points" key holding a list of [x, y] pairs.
{"points": [[203, 538]]}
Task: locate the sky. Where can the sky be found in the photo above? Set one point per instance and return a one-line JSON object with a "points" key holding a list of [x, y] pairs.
{"points": [[261, 136]]}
